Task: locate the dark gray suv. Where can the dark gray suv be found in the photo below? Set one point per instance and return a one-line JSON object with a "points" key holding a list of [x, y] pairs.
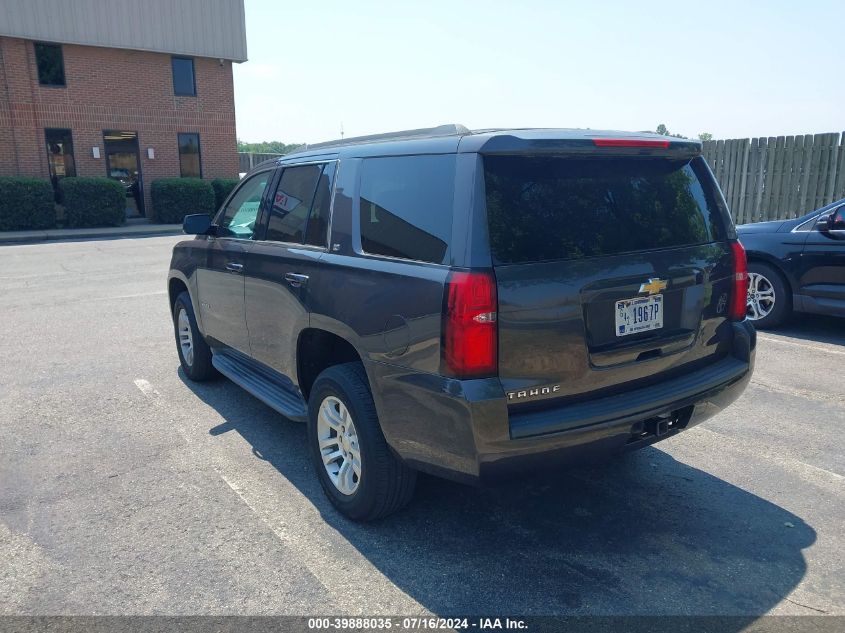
{"points": [[470, 303]]}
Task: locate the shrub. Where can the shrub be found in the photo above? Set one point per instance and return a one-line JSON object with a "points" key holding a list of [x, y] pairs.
{"points": [[222, 188], [26, 203], [174, 198], [93, 202]]}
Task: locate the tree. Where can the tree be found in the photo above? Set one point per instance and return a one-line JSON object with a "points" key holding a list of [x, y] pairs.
{"points": [[705, 136], [662, 129], [268, 147]]}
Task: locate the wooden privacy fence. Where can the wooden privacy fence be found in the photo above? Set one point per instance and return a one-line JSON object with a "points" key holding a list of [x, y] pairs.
{"points": [[778, 178], [248, 160], [772, 178]]}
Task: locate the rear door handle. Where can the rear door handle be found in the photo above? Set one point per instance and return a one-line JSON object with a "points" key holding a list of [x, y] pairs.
{"points": [[234, 267], [296, 280]]}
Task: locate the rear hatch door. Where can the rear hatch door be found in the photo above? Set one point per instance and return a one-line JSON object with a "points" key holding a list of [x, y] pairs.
{"points": [[613, 271]]}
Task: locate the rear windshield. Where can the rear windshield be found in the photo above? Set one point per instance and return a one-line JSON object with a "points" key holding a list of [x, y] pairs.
{"points": [[550, 208]]}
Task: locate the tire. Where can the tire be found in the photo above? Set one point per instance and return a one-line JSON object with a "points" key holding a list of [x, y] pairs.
{"points": [[383, 484], [197, 363], [765, 281]]}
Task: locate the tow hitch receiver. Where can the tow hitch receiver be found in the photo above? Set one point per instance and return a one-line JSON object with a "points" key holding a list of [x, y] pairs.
{"points": [[659, 425]]}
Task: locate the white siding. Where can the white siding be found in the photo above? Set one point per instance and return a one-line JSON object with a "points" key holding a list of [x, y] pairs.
{"points": [[202, 28]]}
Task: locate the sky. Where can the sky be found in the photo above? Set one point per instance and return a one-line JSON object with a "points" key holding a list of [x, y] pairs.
{"points": [[735, 69]]}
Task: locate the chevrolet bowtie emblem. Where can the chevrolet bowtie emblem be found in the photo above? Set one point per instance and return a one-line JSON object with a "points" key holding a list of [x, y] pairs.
{"points": [[654, 286]]}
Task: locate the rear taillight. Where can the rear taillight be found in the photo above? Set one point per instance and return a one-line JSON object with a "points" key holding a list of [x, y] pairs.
{"points": [[470, 334], [739, 296], [630, 142]]}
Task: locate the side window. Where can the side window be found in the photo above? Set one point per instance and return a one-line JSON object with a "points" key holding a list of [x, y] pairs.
{"points": [[406, 206], [238, 218], [292, 202], [318, 221], [808, 225]]}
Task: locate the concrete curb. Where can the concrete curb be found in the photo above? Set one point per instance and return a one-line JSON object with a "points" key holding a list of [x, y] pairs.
{"points": [[132, 230]]}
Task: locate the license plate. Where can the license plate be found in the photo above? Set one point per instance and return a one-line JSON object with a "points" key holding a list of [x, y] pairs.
{"points": [[639, 314]]}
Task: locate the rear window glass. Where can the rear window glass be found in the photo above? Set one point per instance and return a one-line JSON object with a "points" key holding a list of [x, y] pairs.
{"points": [[406, 206], [549, 208]]}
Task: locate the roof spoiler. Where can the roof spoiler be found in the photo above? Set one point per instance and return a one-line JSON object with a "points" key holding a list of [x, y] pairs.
{"points": [[641, 145]]}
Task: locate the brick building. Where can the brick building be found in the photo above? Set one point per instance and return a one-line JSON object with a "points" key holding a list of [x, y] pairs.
{"points": [[130, 90]]}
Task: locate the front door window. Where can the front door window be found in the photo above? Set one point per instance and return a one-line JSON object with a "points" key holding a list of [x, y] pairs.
{"points": [[239, 216]]}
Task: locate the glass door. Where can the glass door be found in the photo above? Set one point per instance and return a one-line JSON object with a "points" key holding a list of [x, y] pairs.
{"points": [[123, 163], [59, 156]]}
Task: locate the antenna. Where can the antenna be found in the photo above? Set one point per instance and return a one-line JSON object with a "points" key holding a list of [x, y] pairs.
{"points": [[341, 129]]}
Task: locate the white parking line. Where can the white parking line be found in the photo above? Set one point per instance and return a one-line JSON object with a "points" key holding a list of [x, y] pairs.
{"points": [[146, 388], [140, 294], [821, 477], [815, 396], [282, 534], [154, 397], [816, 348], [301, 527]]}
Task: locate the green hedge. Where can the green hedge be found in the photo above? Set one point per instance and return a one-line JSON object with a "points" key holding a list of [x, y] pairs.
{"points": [[222, 188], [93, 202], [26, 203], [174, 198]]}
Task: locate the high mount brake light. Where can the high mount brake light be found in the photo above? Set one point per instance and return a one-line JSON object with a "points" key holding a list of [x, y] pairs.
{"points": [[630, 142], [470, 332], [739, 291]]}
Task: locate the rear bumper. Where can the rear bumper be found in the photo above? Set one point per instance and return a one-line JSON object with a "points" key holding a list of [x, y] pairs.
{"points": [[463, 430]]}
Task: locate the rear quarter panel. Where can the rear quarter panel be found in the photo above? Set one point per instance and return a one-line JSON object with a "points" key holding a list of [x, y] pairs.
{"points": [[779, 249]]}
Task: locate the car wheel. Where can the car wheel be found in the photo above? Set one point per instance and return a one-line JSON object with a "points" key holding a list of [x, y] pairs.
{"points": [[358, 471], [769, 299], [194, 352]]}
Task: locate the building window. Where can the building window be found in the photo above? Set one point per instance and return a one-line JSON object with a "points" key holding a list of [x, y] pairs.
{"points": [[51, 64], [190, 165], [59, 155], [184, 83]]}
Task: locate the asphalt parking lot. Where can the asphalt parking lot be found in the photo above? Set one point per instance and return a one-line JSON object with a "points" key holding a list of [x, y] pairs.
{"points": [[126, 490]]}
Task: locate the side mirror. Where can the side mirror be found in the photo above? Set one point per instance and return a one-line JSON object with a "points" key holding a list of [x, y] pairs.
{"points": [[832, 224], [197, 224], [836, 220]]}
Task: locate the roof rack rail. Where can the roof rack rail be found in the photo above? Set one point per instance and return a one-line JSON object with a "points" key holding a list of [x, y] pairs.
{"points": [[452, 129]]}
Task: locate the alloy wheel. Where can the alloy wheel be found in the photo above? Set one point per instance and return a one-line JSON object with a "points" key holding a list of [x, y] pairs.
{"points": [[338, 441], [761, 297], [186, 338]]}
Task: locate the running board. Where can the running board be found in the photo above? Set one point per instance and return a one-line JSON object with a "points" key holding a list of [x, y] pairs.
{"points": [[263, 385]]}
